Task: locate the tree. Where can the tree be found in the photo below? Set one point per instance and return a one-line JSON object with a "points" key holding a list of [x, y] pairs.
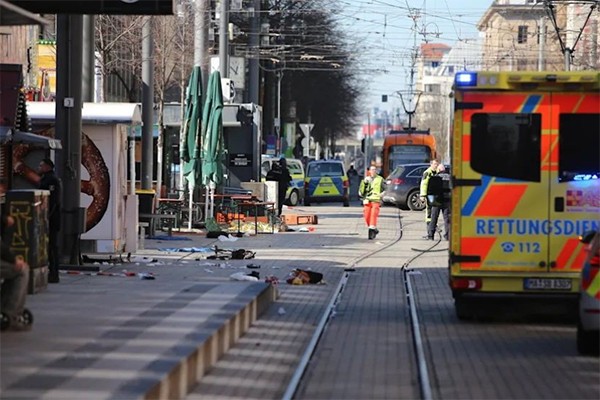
{"points": [[319, 71]]}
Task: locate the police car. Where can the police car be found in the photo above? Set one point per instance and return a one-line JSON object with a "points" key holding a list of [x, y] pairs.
{"points": [[326, 181]]}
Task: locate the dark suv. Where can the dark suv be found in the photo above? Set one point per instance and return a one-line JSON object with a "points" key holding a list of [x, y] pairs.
{"points": [[403, 184]]}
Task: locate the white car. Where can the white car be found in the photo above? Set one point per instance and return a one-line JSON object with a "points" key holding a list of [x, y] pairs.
{"points": [[588, 324]]}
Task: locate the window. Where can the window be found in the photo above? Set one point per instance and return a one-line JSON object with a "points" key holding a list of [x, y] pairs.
{"points": [[578, 145], [408, 154], [325, 169], [432, 88], [506, 145], [416, 173], [522, 35], [435, 64]]}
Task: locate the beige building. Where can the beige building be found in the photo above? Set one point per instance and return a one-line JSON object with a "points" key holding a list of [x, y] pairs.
{"points": [[436, 66], [518, 35]]}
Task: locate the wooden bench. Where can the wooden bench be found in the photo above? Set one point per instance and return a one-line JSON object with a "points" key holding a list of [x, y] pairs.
{"points": [[153, 218]]}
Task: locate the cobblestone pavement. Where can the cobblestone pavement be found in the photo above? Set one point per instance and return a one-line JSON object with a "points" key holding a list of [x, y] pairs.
{"points": [[503, 358]]}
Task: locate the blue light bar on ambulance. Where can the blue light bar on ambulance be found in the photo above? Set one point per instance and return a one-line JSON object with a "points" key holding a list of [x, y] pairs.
{"points": [[466, 78]]}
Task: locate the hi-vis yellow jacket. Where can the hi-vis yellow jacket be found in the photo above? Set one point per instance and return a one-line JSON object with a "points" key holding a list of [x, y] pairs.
{"points": [[371, 189]]}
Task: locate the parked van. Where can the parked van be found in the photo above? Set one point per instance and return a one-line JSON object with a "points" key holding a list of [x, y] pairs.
{"points": [[295, 193], [525, 183]]}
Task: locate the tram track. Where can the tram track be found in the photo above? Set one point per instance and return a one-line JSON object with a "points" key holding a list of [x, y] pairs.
{"points": [[418, 345]]}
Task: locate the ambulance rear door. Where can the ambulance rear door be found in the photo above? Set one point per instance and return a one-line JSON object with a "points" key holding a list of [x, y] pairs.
{"points": [[571, 155], [502, 189]]}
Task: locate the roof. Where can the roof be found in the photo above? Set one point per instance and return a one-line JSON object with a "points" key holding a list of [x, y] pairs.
{"points": [[434, 51], [10, 14], [96, 113], [325, 161]]}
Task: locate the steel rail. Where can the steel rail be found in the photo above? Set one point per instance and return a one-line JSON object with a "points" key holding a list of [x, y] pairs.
{"points": [[325, 318], [424, 382]]}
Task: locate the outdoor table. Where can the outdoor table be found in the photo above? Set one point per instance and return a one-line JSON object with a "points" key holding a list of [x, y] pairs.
{"points": [[267, 206]]}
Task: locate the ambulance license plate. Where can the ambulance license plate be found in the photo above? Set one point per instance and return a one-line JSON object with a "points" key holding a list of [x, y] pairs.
{"points": [[547, 284]]}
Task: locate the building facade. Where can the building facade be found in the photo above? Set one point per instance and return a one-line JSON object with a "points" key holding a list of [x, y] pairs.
{"points": [[518, 35]]}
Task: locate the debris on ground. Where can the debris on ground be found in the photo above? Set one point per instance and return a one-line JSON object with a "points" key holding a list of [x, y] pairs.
{"points": [[243, 276], [229, 254], [302, 277]]}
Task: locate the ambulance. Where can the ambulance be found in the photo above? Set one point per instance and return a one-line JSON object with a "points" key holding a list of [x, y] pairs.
{"points": [[525, 184]]}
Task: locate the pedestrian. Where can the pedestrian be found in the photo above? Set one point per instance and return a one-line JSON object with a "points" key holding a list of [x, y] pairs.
{"points": [[352, 172], [279, 173], [439, 197], [14, 272], [370, 190], [428, 173], [49, 181]]}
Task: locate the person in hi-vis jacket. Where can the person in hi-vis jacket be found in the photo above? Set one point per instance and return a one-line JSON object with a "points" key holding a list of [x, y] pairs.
{"points": [[370, 190]]}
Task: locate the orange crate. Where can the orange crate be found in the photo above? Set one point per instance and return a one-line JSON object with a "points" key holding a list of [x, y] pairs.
{"points": [[296, 219]]}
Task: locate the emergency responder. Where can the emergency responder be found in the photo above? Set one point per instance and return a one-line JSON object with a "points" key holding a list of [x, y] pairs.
{"points": [[370, 190], [439, 197], [279, 172], [428, 173]]}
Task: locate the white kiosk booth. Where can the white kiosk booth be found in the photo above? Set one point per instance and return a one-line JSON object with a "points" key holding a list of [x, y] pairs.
{"points": [[111, 211]]}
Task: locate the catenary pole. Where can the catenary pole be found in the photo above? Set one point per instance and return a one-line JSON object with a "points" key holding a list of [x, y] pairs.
{"points": [[253, 67], [69, 45], [147, 104], [223, 39]]}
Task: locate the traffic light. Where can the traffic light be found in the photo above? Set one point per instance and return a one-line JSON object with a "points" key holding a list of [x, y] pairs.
{"points": [[362, 145], [384, 98]]}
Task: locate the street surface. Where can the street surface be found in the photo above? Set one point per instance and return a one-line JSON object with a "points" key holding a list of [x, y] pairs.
{"points": [[116, 337], [367, 351]]}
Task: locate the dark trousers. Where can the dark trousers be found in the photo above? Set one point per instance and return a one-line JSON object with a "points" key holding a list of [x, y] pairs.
{"points": [[435, 212], [280, 201], [53, 254]]}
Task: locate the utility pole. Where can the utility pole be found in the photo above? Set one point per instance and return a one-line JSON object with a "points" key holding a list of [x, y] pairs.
{"points": [[201, 23], [89, 70], [147, 104], [594, 49], [253, 67], [69, 60], [223, 40], [542, 42]]}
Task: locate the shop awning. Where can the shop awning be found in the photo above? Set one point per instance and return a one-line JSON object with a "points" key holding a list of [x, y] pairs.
{"points": [[7, 134], [11, 14]]}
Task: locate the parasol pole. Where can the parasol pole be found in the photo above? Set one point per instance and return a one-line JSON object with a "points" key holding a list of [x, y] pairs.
{"points": [[190, 215], [206, 198]]}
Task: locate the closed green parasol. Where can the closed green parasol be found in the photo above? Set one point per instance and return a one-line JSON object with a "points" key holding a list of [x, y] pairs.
{"points": [[212, 139], [192, 124]]}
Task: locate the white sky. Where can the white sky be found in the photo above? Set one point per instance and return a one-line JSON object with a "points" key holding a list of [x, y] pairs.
{"points": [[384, 32]]}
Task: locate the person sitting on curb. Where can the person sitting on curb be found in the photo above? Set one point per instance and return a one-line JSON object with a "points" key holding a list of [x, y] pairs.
{"points": [[15, 274]]}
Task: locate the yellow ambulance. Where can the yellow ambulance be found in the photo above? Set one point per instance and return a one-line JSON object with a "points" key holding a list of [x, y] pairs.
{"points": [[525, 156]]}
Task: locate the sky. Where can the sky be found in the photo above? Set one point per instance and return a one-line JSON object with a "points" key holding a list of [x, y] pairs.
{"points": [[384, 33]]}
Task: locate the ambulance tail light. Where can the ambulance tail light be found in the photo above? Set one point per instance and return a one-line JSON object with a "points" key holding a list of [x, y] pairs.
{"points": [[466, 283], [346, 183], [463, 79]]}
